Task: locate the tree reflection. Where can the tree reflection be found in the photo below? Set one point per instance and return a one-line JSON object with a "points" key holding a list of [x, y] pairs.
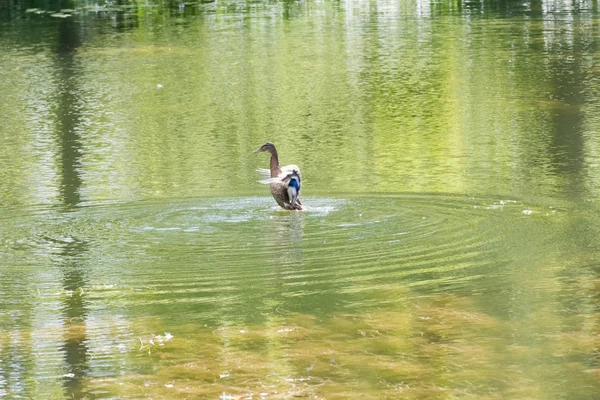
{"points": [[68, 116], [75, 313]]}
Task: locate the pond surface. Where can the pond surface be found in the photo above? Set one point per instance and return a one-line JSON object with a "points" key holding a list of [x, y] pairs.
{"points": [[451, 161]]}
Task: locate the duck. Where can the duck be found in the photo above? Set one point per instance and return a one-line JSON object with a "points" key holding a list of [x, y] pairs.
{"points": [[285, 181]]}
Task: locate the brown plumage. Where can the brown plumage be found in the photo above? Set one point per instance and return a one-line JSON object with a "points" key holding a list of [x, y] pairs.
{"points": [[285, 182]]}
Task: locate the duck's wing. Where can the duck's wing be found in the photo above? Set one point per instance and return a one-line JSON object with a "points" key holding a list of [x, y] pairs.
{"points": [[264, 172], [288, 169], [291, 169], [265, 175]]}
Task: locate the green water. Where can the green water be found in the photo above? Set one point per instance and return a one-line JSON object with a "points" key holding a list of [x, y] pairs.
{"points": [[450, 154]]}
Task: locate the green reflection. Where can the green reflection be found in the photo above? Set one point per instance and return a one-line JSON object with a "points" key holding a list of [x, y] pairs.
{"points": [[365, 100], [450, 158]]}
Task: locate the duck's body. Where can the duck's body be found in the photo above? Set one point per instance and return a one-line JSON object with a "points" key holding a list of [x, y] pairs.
{"points": [[285, 182]]}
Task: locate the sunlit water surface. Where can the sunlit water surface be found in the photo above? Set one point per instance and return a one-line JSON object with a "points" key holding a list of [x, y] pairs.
{"points": [[451, 172]]}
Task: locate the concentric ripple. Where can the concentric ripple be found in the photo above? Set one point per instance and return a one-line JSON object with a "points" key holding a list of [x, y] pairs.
{"points": [[244, 256], [89, 284]]}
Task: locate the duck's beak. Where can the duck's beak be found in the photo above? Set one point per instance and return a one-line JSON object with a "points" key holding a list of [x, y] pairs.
{"points": [[258, 151]]}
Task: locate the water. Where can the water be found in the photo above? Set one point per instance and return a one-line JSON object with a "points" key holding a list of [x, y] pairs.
{"points": [[450, 165]]}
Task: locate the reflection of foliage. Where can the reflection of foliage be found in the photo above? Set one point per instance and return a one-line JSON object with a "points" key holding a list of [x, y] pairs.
{"points": [[435, 103], [446, 100]]}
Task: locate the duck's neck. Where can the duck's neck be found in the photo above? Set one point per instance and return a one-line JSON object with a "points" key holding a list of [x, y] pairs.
{"points": [[275, 170]]}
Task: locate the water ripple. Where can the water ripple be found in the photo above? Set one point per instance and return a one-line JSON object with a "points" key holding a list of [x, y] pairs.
{"points": [[205, 251]]}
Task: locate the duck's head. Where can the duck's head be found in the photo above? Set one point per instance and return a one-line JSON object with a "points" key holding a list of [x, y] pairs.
{"points": [[270, 147]]}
